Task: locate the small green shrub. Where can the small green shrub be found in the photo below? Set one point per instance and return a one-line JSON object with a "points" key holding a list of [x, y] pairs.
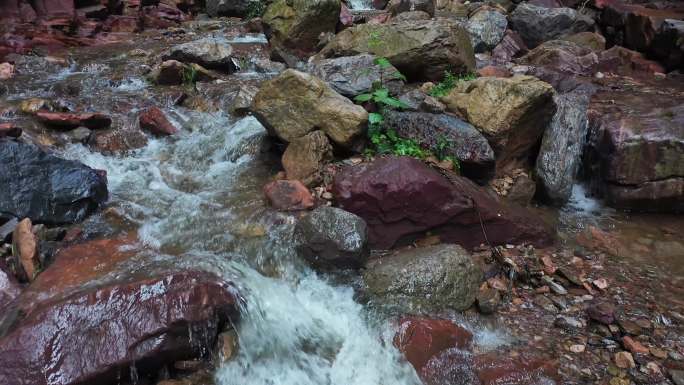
{"points": [[256, 8], [448, 83], [189, 75]]}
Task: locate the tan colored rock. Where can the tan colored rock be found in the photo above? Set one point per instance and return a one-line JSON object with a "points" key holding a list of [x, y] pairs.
{"points": [[6, 71], [295, 103], [305, 158], [227, 344], [420, 49], [624, 360], [25, 249], [512, 112]]}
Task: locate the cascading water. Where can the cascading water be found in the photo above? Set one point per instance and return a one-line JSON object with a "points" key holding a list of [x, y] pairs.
{"points": [[192, 196], [360, 5]]}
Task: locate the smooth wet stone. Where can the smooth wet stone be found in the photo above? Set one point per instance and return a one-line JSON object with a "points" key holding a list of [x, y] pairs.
{"points": [[433, 278], [401, 198], [494, 368], [421, 338], [45, 188], [209, 52], [155, 121], [331, 238], [69, 121], [288, 195], [89, 317]]}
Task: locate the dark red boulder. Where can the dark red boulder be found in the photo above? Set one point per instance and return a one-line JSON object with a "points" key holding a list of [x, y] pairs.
{"points": [[420, 339], [68, 120], [401, 198], [155, 121], [495, 368], [90, 318], [636, 145]]}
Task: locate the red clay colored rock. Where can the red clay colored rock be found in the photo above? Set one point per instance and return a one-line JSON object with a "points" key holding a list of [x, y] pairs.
{"points": [[9, 129], [602, 312], [494, 71], [400, 198], [510, 47], [117, 141], [154, 121], [288, 195], [621, 61], [495, 368], [420, 339], [68, 121], [89, 317]]}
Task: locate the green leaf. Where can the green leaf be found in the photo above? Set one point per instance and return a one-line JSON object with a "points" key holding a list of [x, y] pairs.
{"points": [[392, 102], [381, 93], [382, 62], [363, 98], [399, 75], [375, 118]]}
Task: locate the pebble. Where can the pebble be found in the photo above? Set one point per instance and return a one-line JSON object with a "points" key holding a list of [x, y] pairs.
{"points": [[634, 346], [577, 348], [566, 322], [600, 283], [556, 288], [658, 353], [676, 356], [624, 360]]}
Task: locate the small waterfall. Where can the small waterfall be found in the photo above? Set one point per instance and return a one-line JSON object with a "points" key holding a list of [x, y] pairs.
{"points": [[360, 5]]}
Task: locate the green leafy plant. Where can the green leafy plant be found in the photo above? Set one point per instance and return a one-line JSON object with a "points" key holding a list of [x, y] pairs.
{"points": [[255, 8], [448, 83], [189, 75]]}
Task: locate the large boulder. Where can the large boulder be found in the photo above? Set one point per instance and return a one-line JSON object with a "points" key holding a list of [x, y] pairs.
{"points": [[537, 24], [511, 112], [636, 144], [295, 103], [332, 238], [228, 7], [401, 198], [429, 279], [45, 188], [209, 52], [421, 49], [295, 25], [560, 155], [447, 135], [354, 75], [305, 158], [487, 28], [91, 317]]}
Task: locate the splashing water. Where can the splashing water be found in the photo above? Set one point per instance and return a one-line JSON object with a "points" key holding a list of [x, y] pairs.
{"points": [[189, 196], [361, 5]]}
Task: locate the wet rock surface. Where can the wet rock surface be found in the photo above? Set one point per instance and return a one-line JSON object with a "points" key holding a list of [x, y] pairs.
{"points": [[448, 136], [288, 195], [537, 24], [433, 278], [305, 157], [332, 238], [354, 75], [116, 318], [45, 188], [641, 125], [401, 198]]}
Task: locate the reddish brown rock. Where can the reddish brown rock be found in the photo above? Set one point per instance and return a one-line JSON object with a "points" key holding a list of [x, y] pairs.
{"points": [[495, 369], [621, 61], [510, 47], [68, 121], [9, 129], [117, 141], [288, 195], [601, 312], [636, 145], [420, 339], [494, 71], [634, 346], [25, 248], [69, 330], [400, 198], [155, 121]]}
